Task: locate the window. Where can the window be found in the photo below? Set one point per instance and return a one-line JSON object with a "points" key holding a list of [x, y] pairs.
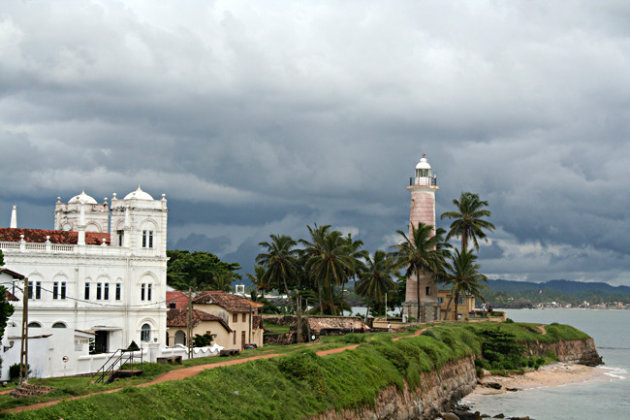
{"points": [[234, 338], [147, 239], [38, 290], [30, 290], [460, 301], [234, 317], [149, 287], [440, 300], [106, 291], [63, 290], [99, 286], [34, 325], [142, 291], [172, 305], [87, 291], [428, 291], [180, 337], [145, 333], [59, 325], [56, 290], [117, 291], [243, 319], [121, 236]]}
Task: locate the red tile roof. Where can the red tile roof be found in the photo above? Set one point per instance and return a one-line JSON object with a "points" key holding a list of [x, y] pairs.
{"points": [[228, 301], [12, 273], [178, 298], [56, 236], [178, 317]]}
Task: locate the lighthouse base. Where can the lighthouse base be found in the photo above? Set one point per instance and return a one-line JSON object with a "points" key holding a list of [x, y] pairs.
{"points": [[429, 311]]}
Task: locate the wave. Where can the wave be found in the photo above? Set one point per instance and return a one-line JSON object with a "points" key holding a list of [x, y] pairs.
{"points": [[615, 372], [613, 348]]}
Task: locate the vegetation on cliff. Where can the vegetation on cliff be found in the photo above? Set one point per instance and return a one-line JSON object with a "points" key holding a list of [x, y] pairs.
{"points": [[301, 383]]}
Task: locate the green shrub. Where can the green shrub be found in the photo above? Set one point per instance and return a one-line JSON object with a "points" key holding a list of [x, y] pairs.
{"points": [[509, 321]]}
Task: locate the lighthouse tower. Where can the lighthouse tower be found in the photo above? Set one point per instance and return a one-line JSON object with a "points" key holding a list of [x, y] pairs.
{"points": [[422, 188]]}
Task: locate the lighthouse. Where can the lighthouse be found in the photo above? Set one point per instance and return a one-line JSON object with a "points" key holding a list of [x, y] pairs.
{"points": [[422, 187]]}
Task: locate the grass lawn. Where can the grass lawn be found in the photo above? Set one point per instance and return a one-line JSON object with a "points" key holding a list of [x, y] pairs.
{"points": [[333, 375]]}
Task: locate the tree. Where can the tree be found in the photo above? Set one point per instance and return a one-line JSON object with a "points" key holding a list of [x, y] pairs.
{"points": [[258, 279], [465, 278], [280, 262], [422, 252], [328, 261], [468, 220], [200, 271], [6, 309], [376, 279]]}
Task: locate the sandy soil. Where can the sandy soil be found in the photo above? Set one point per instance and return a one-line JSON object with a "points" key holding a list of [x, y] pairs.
{"points": [[550, 375]]}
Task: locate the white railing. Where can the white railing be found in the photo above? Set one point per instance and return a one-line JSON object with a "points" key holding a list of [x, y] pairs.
{"points": [[9, 245], [47, 247]]}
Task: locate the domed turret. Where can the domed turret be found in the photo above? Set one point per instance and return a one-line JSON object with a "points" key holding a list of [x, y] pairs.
{"points": [[82, 198], [138, 195]]}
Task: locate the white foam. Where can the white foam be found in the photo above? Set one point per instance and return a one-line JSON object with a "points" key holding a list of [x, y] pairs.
{"points": [[614, 372]]}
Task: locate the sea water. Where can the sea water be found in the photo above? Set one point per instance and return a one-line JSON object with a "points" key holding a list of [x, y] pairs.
{"points": [[587, 400]]}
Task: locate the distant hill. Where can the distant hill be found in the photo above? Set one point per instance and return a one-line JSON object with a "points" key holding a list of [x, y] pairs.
{"points": [[504, 292]]}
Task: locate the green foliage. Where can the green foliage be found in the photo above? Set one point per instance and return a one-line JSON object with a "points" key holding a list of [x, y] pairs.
{"points": [[203, 340], [199, 271], [14, 371], [509, 321]]}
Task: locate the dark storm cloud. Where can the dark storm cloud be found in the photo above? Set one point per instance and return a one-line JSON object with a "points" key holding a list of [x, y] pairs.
{"points": [[258, 119]]}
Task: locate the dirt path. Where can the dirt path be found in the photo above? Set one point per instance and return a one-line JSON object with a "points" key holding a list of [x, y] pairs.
{"points": [[178, 374]]}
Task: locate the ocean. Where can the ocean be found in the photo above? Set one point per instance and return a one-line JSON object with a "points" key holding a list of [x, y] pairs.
{"points": [[587, 400]]}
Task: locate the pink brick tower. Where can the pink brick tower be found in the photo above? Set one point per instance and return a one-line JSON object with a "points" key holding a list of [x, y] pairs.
{"points": [[423, 189]]}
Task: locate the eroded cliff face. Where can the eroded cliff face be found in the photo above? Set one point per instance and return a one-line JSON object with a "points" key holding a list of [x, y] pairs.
{"points": [[441, 389], [571, 351], [438, 391]]}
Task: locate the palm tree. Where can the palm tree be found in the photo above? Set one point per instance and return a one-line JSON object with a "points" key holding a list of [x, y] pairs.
{"points": [[258, 280], [420, 252], [327, 261], [358, 256], [465, 278], [468, 220], [376, 279], [279, 260]]}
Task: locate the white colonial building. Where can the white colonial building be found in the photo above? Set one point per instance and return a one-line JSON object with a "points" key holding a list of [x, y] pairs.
{"points": [[100, 273]]}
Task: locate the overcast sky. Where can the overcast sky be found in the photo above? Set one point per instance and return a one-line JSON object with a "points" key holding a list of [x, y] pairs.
{"points": [[262, 117]]}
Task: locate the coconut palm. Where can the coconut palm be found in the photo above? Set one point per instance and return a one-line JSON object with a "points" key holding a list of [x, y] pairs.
{"points": [[465, 278], [468, 220], [258, 279], [358, 256], [280, 261], [376, 278], [327, 261], [420, 252]]}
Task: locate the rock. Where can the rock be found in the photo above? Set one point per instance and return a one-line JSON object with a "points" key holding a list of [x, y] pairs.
{"points": [[494, 385], [499, 416], [450, 416], [512, 389], [485, 372], [520, 418]]}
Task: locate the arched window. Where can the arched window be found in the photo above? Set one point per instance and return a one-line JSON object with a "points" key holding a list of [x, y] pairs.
{"points": [[34, 325], [145, 333], [59, 325], [180, 337]]}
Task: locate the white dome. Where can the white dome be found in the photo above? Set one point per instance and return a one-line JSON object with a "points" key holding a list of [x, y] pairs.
{"points": [[423, 164], [82, 198], [138, 195]]}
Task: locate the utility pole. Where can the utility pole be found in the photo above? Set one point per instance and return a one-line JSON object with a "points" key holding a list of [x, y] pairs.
{"points": [[24, 342], [189, 323]]}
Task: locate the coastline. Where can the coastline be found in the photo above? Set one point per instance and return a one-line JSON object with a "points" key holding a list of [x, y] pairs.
{"points": [[556, 374]]}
